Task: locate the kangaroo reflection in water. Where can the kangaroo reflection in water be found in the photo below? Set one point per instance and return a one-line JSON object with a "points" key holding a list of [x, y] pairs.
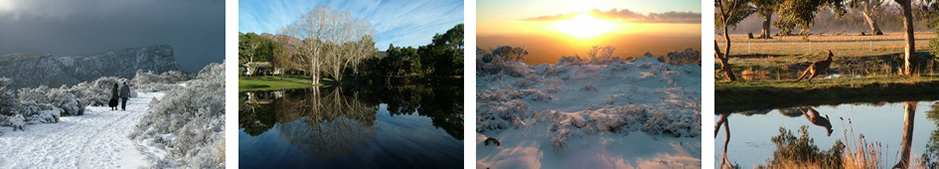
{"points": [[816, 119], [909, 110]]}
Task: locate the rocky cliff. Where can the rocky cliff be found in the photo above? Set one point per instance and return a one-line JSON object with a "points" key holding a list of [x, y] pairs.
{"points": [[53, 71]]}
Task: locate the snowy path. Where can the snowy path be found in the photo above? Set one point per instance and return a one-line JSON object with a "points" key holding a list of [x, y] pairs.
{"points": [[97, 139]]}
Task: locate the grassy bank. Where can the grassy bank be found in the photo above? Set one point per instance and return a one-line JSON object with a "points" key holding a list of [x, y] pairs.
{"points": [[769, 94], [261, 83], [785, 57], [842, 45]]}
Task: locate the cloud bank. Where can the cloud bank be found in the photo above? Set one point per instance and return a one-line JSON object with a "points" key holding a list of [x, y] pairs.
{"points": [[195, 28], [630, 16]]}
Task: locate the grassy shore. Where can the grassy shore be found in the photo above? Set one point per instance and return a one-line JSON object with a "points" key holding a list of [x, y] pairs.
{"points": [[841, 45], [768, 94], [262, 83], [786, 56]]}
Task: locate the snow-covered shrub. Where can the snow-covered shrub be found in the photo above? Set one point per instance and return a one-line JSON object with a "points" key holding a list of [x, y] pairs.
{"points": [[688, 56], [559, 140], [602, 55], [552, 85], [18, 122], [36, 113], [571, 60], [7, 97], [145, 77], [49, 115], [596, 56], [151, 82], [499, 115], [148, 77], [505, 59], [549, 70], [98, 92], [33, 95], [192, 117], [67, 101], [536, 95]]}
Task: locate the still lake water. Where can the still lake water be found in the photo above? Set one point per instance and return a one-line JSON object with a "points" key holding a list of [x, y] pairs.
{"points": [[883, 123], [378, 128]]}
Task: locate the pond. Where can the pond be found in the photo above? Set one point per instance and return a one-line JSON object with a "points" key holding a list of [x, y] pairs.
{"points": [[397, 127], [884, 125]]}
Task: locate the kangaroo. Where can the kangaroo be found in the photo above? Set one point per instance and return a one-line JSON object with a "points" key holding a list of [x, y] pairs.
{"points": [[813, 117], [816, 68]]}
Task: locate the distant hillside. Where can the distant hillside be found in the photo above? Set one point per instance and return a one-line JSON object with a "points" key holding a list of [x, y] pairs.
{"points": [[35, 70]]}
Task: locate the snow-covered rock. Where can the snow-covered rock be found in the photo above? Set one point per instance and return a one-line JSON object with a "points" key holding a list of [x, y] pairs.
{"points": [[35, 70]]}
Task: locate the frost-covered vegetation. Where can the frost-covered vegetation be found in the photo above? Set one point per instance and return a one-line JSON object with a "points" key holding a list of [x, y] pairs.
{"points": [[588, 95], [186, 124], [44, 104], [151, 82]]}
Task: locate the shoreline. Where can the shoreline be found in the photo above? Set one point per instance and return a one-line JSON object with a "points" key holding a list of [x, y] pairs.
{"points": [[771, 94]]}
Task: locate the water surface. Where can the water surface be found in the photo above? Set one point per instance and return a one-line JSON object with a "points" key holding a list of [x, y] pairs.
{"points": [[401, 127], [879, 123]]}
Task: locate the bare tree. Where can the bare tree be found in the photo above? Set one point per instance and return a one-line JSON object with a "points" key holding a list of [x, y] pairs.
{"points": [[869, 9], [326, 33]]}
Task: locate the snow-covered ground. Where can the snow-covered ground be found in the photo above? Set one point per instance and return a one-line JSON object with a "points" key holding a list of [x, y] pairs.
{"points": [[97, 139], [612, 114]]}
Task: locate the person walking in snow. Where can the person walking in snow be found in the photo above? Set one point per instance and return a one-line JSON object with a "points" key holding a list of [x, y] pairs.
{"points": [[125, 93], [114, 97]]}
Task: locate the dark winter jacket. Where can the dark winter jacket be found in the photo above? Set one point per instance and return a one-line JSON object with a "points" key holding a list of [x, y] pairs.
{"points": [[125, 92], [114, 94]]}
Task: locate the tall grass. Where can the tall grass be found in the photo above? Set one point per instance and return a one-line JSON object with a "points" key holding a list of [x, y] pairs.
{"points": [[863, 154], [800, 152]]}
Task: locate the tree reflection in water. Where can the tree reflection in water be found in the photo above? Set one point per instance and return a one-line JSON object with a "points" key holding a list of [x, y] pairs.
{"points": [[931, 156], [799, 150], [331, 122], [444, 105], [909, 111]]}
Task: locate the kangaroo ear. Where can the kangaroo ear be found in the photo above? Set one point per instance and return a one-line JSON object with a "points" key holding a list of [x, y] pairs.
{"points": [[830, 54]]}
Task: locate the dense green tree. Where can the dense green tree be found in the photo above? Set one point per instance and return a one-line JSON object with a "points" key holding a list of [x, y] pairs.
{"points": [[440, 60], [801, 13], [766, 8], [254, 48]]}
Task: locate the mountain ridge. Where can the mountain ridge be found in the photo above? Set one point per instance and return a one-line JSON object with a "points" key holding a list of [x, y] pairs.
{"points": [[30, 70]]}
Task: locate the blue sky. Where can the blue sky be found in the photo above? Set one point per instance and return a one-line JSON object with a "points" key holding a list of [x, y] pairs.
{"points": [[402, 22]]}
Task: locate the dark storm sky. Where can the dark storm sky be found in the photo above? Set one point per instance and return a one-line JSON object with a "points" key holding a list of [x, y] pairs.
{"points": [[195, 28]]}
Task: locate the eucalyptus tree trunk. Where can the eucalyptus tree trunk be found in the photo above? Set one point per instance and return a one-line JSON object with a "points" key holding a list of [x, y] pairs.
{"points": [[765, 33], [725, 66], [909, 61], [875, 30]]}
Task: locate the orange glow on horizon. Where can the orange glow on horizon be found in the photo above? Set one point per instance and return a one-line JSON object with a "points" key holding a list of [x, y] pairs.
{"points": [[585, 26]]}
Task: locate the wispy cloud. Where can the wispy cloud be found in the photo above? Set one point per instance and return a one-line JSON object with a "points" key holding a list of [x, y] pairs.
{"points": [[626, 14], [401, 22]]}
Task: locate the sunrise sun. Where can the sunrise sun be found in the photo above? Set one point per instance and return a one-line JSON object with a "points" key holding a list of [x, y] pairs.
{"points": [[584, 26]]}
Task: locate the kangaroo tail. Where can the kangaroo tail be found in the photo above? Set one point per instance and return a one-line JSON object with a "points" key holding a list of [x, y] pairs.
{"points": [[806, 72]]}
